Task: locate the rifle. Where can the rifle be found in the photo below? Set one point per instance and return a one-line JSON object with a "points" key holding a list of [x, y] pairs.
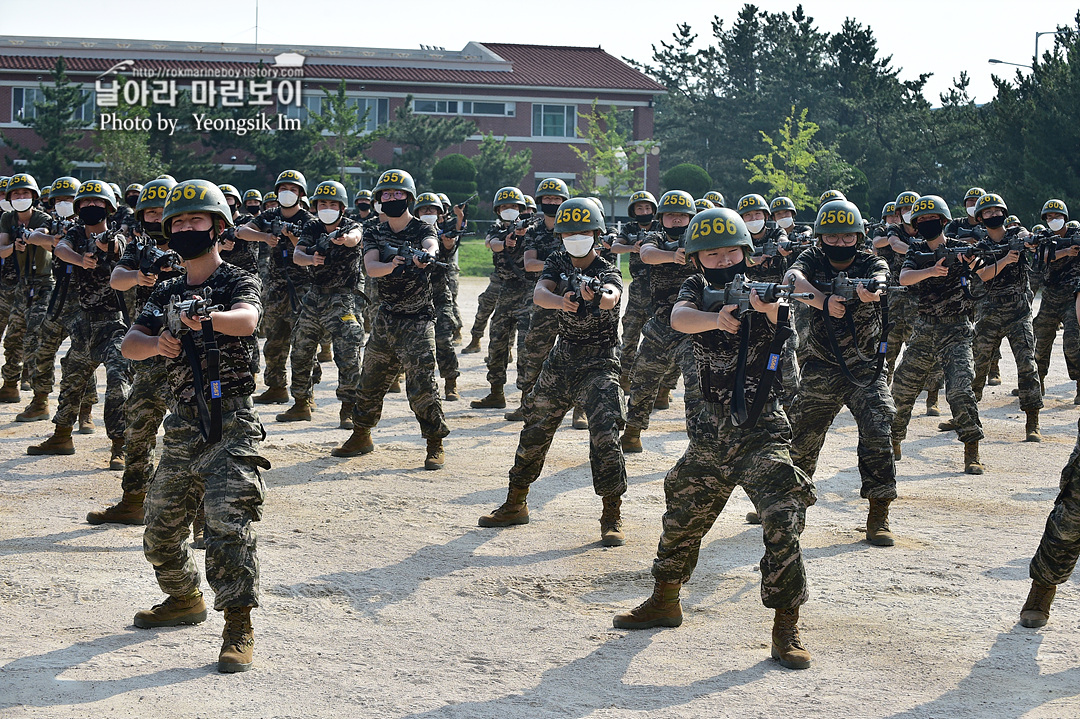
{"points": [[574, 282], [110, 239], [738, 292], [153, 259], [209, 416], [388, 252], [953, 256], [673, 245], [847, 288], [277, 227], [324, 244]]}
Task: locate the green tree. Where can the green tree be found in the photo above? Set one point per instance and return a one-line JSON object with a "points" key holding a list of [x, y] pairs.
{"points": [[609, 159], [421, 137], [345, 129], [687, 176], [498, 166], [126, 154], [56, 122]]}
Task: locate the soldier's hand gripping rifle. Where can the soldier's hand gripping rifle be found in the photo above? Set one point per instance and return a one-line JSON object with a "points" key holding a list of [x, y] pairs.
{"points": [[277, 227], [408, 252], [959, 257], [113, 249], [209, 415], [325, 243], [848, 289], [575, 282], [738, 293], [58, 228], [153, 260]]}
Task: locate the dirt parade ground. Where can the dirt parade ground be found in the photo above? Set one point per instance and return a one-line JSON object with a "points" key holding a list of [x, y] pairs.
{"points": [[382, 598]]}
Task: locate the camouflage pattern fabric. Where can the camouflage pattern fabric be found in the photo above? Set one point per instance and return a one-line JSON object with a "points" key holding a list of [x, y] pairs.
{"points": [[513, 310], [698, 487], [1058, 307], [24, 325], [637, 313], [1059, 548], [445, 356], [485, 304], [543, 330], [43, 367], [1008, 317], [662, 348], [321, 313], [95, 340], [146, 406]]}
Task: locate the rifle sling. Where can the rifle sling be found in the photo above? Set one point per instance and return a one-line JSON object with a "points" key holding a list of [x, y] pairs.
{"points": [[209, 416], [740, 418], [882, 345]]}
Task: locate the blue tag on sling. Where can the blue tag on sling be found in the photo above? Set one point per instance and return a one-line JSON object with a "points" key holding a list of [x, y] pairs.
{"points": [[215, 389], [883, 348], [774, 362]]}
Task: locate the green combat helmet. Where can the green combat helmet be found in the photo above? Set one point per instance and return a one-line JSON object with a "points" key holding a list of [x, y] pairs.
{"points": [[829, 196], [230, 191], [195, 196], [717, 228], [96, 188], [749, 203], [676, 202], [839, 217], [782, 203], [986, 201], [554, 187], [702, 204], [930, 205], [715, 197], [154, 194], [427, 199], [578, 215], [253, 194], [530, 203], [1054, 206], [394, 180], [331, 190], [641, 196], [889, 208], [22, 181], [294, 177], [509, 196]]}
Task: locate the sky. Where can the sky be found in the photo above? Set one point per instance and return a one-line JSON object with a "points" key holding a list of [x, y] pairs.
{"points": [[943, 37]]}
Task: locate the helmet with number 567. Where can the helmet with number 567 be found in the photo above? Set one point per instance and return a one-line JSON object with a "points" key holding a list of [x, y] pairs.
{"points": [[578, 215], [838, 217], [195, 196], [717, 228]]}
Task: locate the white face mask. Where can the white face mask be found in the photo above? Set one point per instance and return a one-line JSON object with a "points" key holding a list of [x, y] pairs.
{"points": [[377, 206], [329, 216], [65, 209], [429, 219], [970, 211], [510, 214], [578, 245], [1055, 224], [907, 217], [287, 198], [786, 222], [5, 206], [22, 204], [755, 226]]}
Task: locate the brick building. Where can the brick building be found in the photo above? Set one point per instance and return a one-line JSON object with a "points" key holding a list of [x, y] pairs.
{"points": [[532, 94]]}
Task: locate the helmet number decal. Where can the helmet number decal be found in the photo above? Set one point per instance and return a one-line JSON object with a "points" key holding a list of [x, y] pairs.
{"points": [[92, 187], [841, 217], [716, 226], [575, 214]]}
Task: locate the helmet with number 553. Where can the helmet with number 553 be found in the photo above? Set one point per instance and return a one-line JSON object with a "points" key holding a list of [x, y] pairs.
{"points": [[839, 217], [333, 191], [195, 196], [717, 228], [578, 215]]}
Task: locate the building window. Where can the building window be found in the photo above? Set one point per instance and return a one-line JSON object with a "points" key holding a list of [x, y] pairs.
{"points": [[23, 99], [554, 120], [377, 109], [464, 107]]}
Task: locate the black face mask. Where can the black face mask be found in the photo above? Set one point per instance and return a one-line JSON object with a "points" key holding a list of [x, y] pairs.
{"points": [[190, 244], [645, 219], [839, 254], [92, 214], [363, 207], [929, 229], [994, 222], [675, 231], [721, 276], [131, 201], [154, 230], [395, 208], [253, 208], [549, 209]]}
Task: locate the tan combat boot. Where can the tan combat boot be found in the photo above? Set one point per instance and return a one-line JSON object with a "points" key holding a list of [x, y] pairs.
{"points": [[787, 648], [611, 523], [932, 409], [9, 393], [436, 457], [325, 355], [59, 443], [1036, 611], [395, 386], [994, 375], [877, 524], [972, 465], [299, 412], [451, 393], [513, 511], [518, 415], [1032, 427], [86, 419], [631, 439], [116, 455], [456, 339], [198, 528], [662, 609], [753, 518], [129, 510], [359, 443], [580, 421], [345, 415], [173, 612], [238, 643], [663, 399], [473, 347], [495, 399], [38, 409], [947, 426], [273, 395]]}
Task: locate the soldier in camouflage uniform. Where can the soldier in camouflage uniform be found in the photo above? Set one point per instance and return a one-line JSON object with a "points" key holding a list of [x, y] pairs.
{"points": [[1006, 312], [581, 369], [285, 279], [1057, 307], [33, 264], [368, 220], [428, 209], [834, 372], [722, 455], [452, 225], [194, 461], [403, 335], [506, 240], [99, 325], [332, 305], [943, 331], [148, 400], [661, 346]]}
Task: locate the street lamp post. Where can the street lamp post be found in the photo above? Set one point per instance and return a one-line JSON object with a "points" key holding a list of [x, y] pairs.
{"points": [[654, 150], [1037, 36], [1036, 61], [1003, 62]]}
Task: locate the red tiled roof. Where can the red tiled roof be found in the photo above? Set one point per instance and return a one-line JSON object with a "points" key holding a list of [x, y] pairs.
{"points": [[533, 66]]}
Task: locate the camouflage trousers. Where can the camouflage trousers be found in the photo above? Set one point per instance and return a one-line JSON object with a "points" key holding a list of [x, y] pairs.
{"points": [[543, 329], [445, 356], [24, 326], [453, 281], [95, 340], [1008, 317], [396, 343], [637, 313], [226, 477], [512, 313], [323, 313], [144, 410], [903, 314], [698, 487], [586, 377], [372, 305], [1059, 548], [7, 301], [825, 391], [661, 350], [277, 325], [1058, 307], [946, 340], [485, 304], [43, 368]]}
